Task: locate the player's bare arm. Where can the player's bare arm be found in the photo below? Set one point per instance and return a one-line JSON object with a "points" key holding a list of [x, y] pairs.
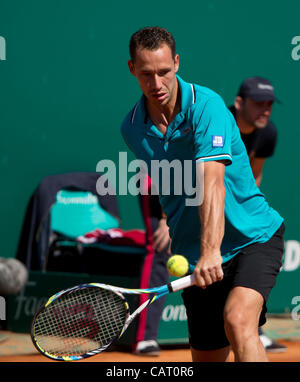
{"points": [[209, 267]]}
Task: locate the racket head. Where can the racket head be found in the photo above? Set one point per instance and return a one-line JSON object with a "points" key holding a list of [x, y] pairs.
{"points": [[79, 322]]}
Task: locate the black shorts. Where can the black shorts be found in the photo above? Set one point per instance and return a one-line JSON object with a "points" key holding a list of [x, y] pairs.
{"points": [[255, 267]]}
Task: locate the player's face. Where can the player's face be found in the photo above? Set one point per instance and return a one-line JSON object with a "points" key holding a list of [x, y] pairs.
{"points": [[156, 72], [256, 113]]}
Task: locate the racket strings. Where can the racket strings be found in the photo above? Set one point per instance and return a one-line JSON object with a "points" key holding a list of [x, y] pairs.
{"points": [[79, 322]]}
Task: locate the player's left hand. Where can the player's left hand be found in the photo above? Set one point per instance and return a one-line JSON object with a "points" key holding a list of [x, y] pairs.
{"points": [[161, 237]]}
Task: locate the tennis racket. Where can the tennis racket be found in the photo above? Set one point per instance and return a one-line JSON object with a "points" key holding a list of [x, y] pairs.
{"points": [[83, 321]]}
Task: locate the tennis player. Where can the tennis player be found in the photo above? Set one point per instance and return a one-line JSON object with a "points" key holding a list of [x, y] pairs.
{"points": [[234, 239]]}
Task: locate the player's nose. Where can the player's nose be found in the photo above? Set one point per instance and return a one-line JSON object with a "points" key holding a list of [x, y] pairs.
{"points": [[155, 82]]}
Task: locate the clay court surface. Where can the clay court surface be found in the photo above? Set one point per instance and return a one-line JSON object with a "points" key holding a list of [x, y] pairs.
{"points": [[167, 355], [17, 347]]}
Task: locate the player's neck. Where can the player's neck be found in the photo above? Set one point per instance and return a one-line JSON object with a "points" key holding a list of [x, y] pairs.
{"points": [[162, 116]]}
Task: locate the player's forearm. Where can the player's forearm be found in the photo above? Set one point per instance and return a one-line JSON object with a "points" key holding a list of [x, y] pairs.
{"points": [[209, 266], [212, 217]]}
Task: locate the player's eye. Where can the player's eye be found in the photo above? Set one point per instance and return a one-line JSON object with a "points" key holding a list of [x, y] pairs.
{"points": [[162, 73]]}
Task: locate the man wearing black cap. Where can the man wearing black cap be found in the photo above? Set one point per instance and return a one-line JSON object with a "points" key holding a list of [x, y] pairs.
{"points": [[252, 111]]}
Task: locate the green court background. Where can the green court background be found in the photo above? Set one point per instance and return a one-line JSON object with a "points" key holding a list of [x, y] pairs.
{"points": [[65, 87]]}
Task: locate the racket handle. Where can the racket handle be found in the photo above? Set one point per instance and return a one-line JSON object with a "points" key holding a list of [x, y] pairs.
{"points": [[183, 282]]}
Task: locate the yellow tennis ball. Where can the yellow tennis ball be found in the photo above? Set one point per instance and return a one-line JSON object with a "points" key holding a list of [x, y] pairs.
{"points": [[177, 265]]}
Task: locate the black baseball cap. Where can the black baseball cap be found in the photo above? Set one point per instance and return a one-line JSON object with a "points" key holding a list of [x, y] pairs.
{"points": [[258, 89]]}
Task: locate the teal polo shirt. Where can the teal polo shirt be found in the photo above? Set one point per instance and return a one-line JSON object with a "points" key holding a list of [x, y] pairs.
{"points": [[204, 130]]}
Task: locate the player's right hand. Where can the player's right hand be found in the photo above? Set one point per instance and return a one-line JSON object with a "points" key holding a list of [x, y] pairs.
{"points": [[208, 269]]}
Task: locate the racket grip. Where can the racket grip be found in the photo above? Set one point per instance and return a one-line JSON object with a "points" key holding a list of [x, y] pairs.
{"points": [[183, 282]]}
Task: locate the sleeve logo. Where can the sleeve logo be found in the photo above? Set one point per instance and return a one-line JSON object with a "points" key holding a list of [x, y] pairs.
{"points": [[217, 141]]}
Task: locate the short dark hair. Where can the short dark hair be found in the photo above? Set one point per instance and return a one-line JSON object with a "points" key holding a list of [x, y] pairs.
{"points": [[151, 38]]}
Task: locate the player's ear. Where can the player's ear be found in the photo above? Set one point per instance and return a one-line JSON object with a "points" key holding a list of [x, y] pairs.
{"points": [[176, 61], [131, 67], [238, 103]]}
